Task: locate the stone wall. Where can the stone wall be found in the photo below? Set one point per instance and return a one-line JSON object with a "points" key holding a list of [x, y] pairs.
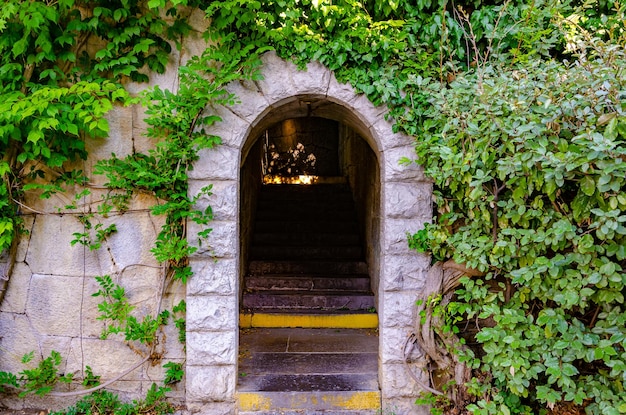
{"points": [[362, 169], [49, 304]]}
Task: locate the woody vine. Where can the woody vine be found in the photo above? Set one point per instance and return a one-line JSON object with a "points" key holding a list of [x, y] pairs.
{"points": [[517, 109]]}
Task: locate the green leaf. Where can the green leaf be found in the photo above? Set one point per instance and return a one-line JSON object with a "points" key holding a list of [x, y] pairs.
{"points": [[72, 129], [155, 4], [588, 185], [103, 125], [19, 47], [568, 369]]}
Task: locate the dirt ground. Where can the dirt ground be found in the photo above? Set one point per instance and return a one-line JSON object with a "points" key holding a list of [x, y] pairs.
{"points": [[23, 412]]}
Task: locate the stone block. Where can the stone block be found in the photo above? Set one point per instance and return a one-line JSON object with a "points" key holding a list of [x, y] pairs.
{"points": [[274, 85], [251, 103], [342, 94], [397, 345], [232, 129], [210, 384], [198, 21], [141, 142], [17, 338], [396, 231], [391, 139], [397, 309], [132, 243], [156, 373], [212, 348], [404, 406], [408, 200], [17, 291], [54, 305], [223, 200], [48, 344], [128, 390], [51, 403], [221, 242], [397, 382], [24, 239], [219, 163], [119, 141], [405, 272], [212, 313], [45, 257], [143, 287], [312, 81], [107, 358], [194, 43], [213, 277], [373, 115], [174, 349], [90, 325], [212, 408], [393, 171]]}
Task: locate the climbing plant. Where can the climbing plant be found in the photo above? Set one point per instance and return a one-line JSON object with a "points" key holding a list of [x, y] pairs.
{"points": [[63, 66], [517, 111]]}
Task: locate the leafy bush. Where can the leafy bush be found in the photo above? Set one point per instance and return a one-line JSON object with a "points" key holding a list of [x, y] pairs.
{"points": [[529, 164]]}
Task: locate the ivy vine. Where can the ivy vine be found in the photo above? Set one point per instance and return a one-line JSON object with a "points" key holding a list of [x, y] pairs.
{"points": [[517, 109]]}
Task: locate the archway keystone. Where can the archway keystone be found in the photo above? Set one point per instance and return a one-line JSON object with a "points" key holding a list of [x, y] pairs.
{"points": [[213, 292]]}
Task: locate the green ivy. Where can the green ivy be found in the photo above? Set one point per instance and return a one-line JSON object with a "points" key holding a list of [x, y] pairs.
{"points": [[63, 66], [56, 85], [41, 379]]}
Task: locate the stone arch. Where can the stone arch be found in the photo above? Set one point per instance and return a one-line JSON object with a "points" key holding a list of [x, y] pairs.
{"points": [[213, 292]]}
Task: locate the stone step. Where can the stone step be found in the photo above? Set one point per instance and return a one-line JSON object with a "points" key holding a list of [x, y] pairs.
{"points": [[277, 370], [308, 267], [306, 252], [308, 341], [292, 191], [303, 225], [306, 319], [294, 201], [280, 382], [314, 213], [305, 239], [308, 300], [289, 282]]}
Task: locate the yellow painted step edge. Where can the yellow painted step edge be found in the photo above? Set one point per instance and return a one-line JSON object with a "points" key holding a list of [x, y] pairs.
{"points": [[338, 321], [358, 400]]}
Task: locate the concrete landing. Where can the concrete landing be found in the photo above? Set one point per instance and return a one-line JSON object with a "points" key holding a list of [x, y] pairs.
{"points": [[282, 369], [308, 403]]}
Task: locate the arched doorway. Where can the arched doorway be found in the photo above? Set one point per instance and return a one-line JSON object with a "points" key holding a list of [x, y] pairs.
{"points": [[392, 199], [310, 192]]}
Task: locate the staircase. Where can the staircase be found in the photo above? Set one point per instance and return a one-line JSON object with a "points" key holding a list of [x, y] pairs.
{"points": [[308, 342]]}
